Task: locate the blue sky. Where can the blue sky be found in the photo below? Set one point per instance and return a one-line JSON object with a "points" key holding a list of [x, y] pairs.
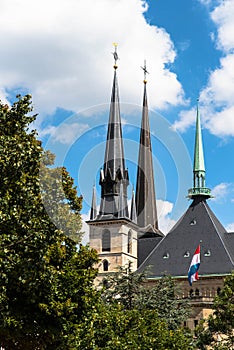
{"points": [[60, 52]]}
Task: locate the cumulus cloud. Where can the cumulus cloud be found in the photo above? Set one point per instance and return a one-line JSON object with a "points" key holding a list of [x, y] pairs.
{"points": [[217, 98], [85, 228], [222, 15], [220, 191], [186, 119], [65, 134], [61, 52], [164, 211]]}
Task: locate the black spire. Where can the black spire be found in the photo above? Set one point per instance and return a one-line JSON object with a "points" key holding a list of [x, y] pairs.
{"points": [[114, 174], [145, 190]]}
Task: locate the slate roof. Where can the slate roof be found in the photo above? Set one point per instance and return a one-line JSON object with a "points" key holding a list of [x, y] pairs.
{"points": [[174, 252], [145, 246]]}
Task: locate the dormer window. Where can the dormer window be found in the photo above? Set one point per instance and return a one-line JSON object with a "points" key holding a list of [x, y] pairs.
{"points": [[166, 255], [193, 222], [187, 254], [207, 253]]}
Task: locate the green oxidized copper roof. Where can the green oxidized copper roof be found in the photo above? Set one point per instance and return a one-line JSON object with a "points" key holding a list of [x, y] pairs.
{"points": [[199, 170], [199, 164]]}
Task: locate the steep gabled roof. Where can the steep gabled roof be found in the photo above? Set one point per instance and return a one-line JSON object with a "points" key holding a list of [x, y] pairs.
{"points": [[174, 252]]}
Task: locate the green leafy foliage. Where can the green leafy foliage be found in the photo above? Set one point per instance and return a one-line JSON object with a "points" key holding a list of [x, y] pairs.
{"points": [[219, 330], [46, 285], [47, 297], [132, 291], [113, 327]]}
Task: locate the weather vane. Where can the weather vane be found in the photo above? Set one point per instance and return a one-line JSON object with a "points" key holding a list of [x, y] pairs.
{"points": [[145, 71], [115, 54]]}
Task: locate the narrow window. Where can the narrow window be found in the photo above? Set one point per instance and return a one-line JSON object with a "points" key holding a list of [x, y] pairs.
{"points": [[130, 242], [218, 290], [106, 241], [191, 293], [105, 265], [197, 292]]}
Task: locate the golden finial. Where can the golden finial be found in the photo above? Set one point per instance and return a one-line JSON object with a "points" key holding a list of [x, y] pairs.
{"points": [[115, 54], [145, 72]]}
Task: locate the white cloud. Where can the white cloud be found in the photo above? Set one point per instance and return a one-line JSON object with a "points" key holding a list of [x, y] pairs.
{"points": [[61, 52], [220, 191], [222, 15], [164, 210], [217, 98], [205, 2], [186, 119], [85, 228], [65, 134], [230, 227], [3, 96]]}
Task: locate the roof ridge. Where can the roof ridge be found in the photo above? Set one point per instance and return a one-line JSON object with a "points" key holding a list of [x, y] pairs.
{"points": [[209, 211]]}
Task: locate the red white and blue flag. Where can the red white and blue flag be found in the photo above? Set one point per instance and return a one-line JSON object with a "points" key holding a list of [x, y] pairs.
{"points": [[194, 266]]}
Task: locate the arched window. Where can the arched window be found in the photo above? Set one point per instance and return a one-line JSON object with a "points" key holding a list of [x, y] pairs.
{"points": [[191, 293], [130, 242], [197, 293], [106, 241], [105, 265], [218, 290]]}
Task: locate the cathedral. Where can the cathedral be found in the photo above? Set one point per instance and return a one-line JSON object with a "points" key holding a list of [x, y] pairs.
{"points": [[121, 235]]}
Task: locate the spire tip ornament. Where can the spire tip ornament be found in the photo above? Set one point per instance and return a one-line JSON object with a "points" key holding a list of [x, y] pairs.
{"points": [[145, 72], [115, 54]]}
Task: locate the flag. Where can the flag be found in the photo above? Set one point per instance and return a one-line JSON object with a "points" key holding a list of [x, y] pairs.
{"points": [[194, 266]]}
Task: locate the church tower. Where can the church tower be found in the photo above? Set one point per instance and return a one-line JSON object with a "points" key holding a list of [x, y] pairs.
{"points": [[112, 232]]}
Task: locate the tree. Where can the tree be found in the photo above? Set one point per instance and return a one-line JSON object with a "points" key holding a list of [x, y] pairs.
{"points": [[113, 327], [219, 331], [132, 291], [46, 284]]}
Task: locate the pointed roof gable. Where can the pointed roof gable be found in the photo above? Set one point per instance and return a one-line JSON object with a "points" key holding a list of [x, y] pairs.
{"points": [[198, 225], [145, 190]]}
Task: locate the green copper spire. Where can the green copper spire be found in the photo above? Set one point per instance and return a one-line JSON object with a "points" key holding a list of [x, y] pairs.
{"points": [[199, 172], [199, 164]]}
